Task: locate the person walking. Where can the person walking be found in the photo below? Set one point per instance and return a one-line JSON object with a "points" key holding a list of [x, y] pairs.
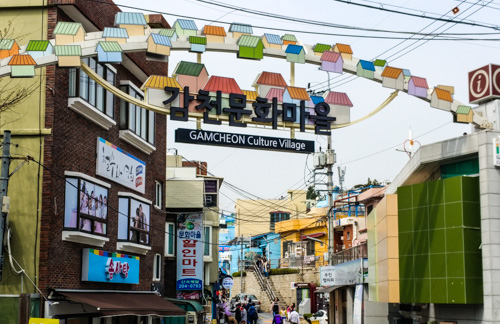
{"points": [[252, 314], [237, 313], [276, 311], [244, 318], [293, 318]]}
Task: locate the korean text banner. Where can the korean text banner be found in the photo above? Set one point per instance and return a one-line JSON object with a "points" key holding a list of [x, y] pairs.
{"points": [[119, 166], [102, 266], [190, 251]]}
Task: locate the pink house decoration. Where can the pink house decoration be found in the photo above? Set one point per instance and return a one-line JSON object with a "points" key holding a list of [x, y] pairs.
{"points": [[331, 62], [417, 87], [267, 80], [340, 106]]}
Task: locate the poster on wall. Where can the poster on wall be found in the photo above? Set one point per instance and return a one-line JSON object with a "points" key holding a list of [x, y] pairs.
{"points": [[190, 252], [139, 221], [357, 317], [119, 166]]}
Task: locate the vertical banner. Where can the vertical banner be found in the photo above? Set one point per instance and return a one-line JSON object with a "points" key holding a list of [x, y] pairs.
{"points": [[357, 317], [190, 252]]}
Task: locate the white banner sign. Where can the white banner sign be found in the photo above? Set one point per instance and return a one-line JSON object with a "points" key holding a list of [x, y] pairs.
{"points": [[190, 251], [348, 273], [119, 166]]}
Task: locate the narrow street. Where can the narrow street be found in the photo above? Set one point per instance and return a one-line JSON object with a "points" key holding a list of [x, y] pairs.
{"points": [[265, 318]]}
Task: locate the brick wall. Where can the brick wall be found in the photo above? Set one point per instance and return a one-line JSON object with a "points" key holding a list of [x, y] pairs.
{"points": [[72, 147]]}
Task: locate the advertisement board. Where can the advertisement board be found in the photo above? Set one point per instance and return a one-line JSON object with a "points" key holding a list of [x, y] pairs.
{"points": [[347, 273], [119, 166], [102, 266], [190, 251]]}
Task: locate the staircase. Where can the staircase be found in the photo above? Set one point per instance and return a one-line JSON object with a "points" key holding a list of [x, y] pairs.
{"points": [[267, 286]]}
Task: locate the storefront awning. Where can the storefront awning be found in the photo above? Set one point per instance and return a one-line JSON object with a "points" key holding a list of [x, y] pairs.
{"points": [[314, 235], [188, 305], [123, 303], [327, 289]]}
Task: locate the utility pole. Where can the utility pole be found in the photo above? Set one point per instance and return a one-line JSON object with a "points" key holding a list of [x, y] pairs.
{"points": [[241, 264], [330, 161], [4, 183]]}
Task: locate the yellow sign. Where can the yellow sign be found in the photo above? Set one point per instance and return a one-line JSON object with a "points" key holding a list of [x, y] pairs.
{"points": [[43, 321]]}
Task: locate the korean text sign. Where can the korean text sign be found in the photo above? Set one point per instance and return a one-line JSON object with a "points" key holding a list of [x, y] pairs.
{"points": [[190, 251], [102, 266], [119, 166]]}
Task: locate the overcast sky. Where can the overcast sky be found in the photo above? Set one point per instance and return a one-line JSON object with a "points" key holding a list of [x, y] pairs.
{"points": [[367, 149]]}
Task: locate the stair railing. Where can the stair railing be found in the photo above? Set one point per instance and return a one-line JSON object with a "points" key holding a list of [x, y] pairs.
{"points": [[264, 283]]}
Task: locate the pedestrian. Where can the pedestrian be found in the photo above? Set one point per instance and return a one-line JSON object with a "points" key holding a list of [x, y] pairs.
{"points": [[258, 263], [247, 306], [237, 313], [229, 319], [276, 311], [243, 315], [252, 314], [283, 314], [267, 266], [293, 318]]}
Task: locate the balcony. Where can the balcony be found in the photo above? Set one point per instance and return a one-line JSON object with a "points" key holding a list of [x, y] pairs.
{"points": [[354, 253]]}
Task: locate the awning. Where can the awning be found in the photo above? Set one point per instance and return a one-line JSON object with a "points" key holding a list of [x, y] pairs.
{"points": [[188, 305], [314, 235], [123, 303], [327, 289]]}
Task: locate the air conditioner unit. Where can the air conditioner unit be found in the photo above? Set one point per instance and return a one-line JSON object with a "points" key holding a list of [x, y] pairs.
{"points": [[319, 160]]}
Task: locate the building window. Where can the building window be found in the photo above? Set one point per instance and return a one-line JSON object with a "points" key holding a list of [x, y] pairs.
{"points": [[159, 194], [170, 239], [285, 248], [310, 247], [81, 85], [207, 238], [133, 220], [277, 217], [85, 206], [157, 268], [211, 190], [207, 274], [138, 120]]}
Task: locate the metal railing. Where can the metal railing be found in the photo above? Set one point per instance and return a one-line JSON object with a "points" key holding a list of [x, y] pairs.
{"points": [[264, 283], [354, 253]]}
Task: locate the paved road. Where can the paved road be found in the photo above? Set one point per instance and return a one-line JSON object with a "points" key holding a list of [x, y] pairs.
{"points": [[265, 318]]}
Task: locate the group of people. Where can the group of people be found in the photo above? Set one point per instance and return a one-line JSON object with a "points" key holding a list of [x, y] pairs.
{"points": [[244, 312], [92, 205], [288, 314], [264, 266]]}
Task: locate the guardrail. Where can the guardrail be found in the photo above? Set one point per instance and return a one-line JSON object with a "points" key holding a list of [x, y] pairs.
{"points": [[263, 282]]}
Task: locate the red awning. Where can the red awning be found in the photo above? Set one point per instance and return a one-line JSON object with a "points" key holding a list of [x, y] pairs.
{"points": [[303, 237], [121, 303]]}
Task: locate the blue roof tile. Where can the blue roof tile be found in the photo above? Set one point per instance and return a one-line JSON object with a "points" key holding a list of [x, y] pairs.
{"points": [[187, 24], [367, 65], [161, 40], [317, 99], [241, 28], [130, 18], [406, 72], [293, 49], [114, 32], [273, 39]]}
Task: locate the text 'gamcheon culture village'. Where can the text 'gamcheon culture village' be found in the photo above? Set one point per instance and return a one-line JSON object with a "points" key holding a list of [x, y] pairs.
{"points": [[249, 162]]}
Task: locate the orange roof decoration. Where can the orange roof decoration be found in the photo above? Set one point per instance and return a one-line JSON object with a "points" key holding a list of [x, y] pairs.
{"points": [[19, 59], [223, 84], [451, 89], [391, 72], [251, 95], [214, 30], [160, 82], [344, 48], [272, 79], [298, 93], [443, 94]]}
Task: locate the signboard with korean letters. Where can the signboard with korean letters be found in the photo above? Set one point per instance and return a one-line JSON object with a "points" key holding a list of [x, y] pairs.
{"points": [[190, 251], [103, 266], [119, 166]]}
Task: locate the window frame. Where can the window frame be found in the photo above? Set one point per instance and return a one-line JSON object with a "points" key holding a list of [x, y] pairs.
{"points": [[168, 234], [81, 179], [75, 86], [158, 194], [157, 265], [276, 218], [130, 229], [207, 241]]}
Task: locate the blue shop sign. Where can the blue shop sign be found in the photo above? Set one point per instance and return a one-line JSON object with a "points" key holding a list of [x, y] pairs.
{"points": [[102, 266]]}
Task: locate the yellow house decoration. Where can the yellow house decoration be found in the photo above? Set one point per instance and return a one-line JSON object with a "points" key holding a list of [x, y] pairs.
{"points": [[133, 22], [464, 114], [214, 34], [68, 33], [159, 44], [344, 50], [68, 55]]}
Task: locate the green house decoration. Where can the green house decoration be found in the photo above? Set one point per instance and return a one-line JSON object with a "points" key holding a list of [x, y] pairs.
{"points": [[185, 27], [250, 47], [39, 48], [295, 54], [365, 69], [320, 48], [289, 39], [198, 44], [464, 114], [170, 33], [22, 66], [68, 55], [379, 64], [69, 33]]}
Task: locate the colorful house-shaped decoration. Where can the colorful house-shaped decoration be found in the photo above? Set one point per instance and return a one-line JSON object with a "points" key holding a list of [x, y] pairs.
{"points": [[39, 48], [198, 44], [332, 62], [464, 114], [22, 66], [192, 75], [275, 93], [340, 106], [109, 52], [8, 47], [447, 88], [365, 69], [251, 98], [393, 78], [295, 54], [214, 34], [272, 41], [159, 44], [407, 74], [226, 86], [295, 95], [265, 81], [133, 22], [310, 107], [441, 99], [154, 89], [250, 47], [69, 33], [418, 87], [380, 64], [344, 50], [240, 29], [289, 39], [111, 34], [68, 55], [185, 27], [170, 33], [320, 48]]}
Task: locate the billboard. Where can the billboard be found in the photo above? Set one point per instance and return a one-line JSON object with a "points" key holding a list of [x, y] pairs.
{"points": [[190, 251], [102, 266]]}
